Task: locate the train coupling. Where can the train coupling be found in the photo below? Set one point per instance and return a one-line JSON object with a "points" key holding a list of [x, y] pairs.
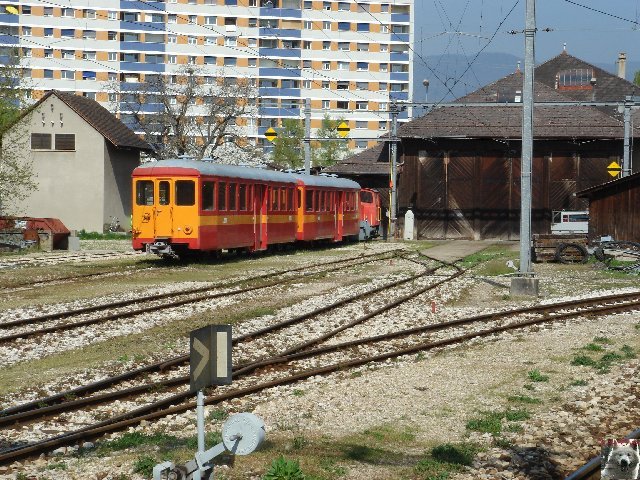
{"points": [[162, 248]]}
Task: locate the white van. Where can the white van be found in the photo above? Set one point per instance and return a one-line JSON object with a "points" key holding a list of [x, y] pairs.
{"points": [[566, 222]]}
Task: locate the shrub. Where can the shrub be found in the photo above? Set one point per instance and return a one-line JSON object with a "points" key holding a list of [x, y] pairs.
{"points": [[283, 469]]}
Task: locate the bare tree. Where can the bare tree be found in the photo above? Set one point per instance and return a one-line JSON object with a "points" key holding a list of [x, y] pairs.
{"points": [[17, 178], [191, 113]]}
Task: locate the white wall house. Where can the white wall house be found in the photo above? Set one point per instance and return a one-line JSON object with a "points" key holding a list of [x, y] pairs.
{"points": [[82, 157]]}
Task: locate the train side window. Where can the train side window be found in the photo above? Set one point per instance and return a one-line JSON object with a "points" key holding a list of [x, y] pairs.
{"points": [[185, 193], [222, 195], [164, 193], [283, 199], [144, 192], [242, 196], [290, 199], [316, 201], [274, 199], [323, 201], [366, 197], [309, 201], [207, 196], [232, 195]]}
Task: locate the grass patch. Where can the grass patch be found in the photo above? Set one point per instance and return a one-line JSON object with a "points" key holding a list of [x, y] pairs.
{"points": [[593, 347], [491, 422], [579, 383], [218, 414], [524, 399], [604, 340], [584, 361], [536, 376], [627, 351], [388, 435], [144, 465], [444, 460], [84, 235]]}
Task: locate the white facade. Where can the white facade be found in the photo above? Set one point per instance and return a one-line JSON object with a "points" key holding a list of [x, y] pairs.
{"points": [[350, 59]]}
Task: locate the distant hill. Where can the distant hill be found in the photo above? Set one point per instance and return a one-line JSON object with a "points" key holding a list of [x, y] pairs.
{"points": [[444, 70]]}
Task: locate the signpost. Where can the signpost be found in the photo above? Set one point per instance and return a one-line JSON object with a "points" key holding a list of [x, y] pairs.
{"points": [[343, 129], [614, 169], [271, 134]]}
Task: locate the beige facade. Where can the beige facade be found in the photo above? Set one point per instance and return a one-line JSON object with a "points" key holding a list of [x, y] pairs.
{"points": [[82, 178]]}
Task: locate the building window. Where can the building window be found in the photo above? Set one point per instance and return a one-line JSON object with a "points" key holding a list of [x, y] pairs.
{"points": [[306, 64], [326, 65], [362, 47], [343, 6], [326, 25], [382, 125], [575, 78], [384, 47], [326, 45], [343, 65], [210, 20], [114, 35], [26, 52], [342, 104], [171, 38], [89, 14], [360, 124], [308, 25], [230, 41], [111, 15], [361, 144], [68, 54], [306, 44], [192, 40], [26, 9], [26, 31], [48, 11], [88, 55], [89, 34], [173, 59], [307, 5], [384, 67], [67, 33], [230, 21], [306, 84], [48, 53], [252, 42], [48, 32], [86, 75], [384, 29], [193, 19], [383, 86], [65, 141], [67, 74], [172, 18], [325, 84], [112, 76], [363, 66], [253, 62], [253, 22], [326, 104], [344, 26], [130, 57], [363, 27], [48, 73], [40, 141], [192, 60], [384, 8], [230, 61], [342, 85], [362, 106], [362, 85], [326, 5]]}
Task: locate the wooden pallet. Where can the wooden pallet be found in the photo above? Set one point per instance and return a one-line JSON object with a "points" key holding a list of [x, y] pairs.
{"points": [[546, 245]]}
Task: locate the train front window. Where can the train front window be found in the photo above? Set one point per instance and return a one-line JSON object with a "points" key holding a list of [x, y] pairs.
{"points": [[366, 197], [144, 192], [185, 193], [207, 196], [164, 192]]}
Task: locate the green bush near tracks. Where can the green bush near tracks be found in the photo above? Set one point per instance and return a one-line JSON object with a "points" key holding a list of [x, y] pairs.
{"points": [[536, 376], [283, 469], [491, 422], [144, 465], [444, 460], [604, 363], [84, 235]]}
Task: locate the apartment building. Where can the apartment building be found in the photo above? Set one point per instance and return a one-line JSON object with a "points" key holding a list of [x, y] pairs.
{"points": [[350, 58]]}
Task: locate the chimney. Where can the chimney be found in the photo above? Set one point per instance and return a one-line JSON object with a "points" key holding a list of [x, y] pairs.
{"points": [[622, 65]]}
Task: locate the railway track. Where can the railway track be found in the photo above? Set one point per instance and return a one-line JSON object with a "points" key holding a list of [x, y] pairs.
{"points": [[279, 364], [105, 312], [56, 258]]}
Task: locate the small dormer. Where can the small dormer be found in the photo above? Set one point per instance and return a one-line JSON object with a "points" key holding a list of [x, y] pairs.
{"points": [[575, 79]]}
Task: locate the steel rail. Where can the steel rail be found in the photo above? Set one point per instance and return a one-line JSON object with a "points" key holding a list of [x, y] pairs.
{"points": [[166, 364], [160, 296], [146, 413]]}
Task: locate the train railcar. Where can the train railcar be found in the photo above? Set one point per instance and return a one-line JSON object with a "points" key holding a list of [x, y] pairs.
{"points": [[182, 206], [369, 214]]}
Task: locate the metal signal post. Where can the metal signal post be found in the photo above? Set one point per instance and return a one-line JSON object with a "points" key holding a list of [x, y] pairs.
{"points": [[393, 203]]}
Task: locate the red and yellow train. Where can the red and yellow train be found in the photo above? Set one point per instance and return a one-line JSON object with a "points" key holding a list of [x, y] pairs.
{"points": [[182, 206]]}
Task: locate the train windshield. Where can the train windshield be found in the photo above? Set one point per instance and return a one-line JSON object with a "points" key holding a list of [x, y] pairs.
{"points": [[144, 192], [185, 192], [366, 197]]}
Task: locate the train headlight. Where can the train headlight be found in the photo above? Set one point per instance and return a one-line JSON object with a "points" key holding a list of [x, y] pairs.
{"points": [[188, 230]]}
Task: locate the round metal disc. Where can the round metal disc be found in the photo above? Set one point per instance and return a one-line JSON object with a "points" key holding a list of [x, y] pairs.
{"points": [[243, 433]]}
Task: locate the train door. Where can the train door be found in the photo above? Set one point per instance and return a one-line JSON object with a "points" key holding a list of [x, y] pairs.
{"points": [[260, 199], [163, 221], [340, 214]]}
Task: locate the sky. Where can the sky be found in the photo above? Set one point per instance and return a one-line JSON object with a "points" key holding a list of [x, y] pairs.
{"points": [[596, 37]]}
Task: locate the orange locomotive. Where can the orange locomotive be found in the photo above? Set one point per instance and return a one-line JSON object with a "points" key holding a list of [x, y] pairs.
{"points": [[182, 206]]}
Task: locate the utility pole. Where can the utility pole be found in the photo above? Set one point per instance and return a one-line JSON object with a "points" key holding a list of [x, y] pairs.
{"points": [[525, 284], [307, 136], [626, 159], [393, 207]]}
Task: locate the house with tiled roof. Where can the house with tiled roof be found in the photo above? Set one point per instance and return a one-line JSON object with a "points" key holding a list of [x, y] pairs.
{"points": [[460, 163], [82, 157]]}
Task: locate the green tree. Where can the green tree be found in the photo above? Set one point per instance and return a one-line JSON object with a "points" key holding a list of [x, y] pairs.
{"points": [[636, 78], [288, 147], [17, 178], [334, 148]]}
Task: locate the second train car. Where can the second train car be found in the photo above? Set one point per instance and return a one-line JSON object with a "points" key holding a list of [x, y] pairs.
{"points": [[182, 206]]}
